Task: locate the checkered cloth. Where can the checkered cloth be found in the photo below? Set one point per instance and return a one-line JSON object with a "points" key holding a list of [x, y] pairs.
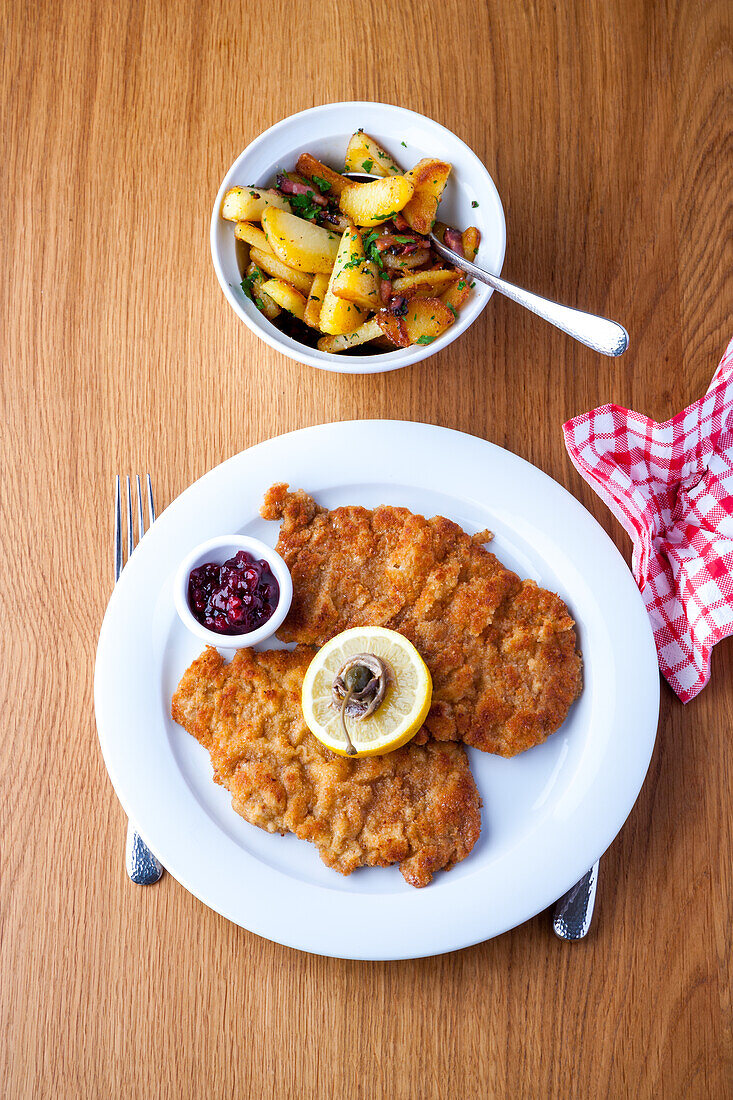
{"points": [[671, 486]]}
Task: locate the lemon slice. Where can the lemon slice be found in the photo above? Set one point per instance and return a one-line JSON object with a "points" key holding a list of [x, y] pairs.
{"points": [[401, 713]]}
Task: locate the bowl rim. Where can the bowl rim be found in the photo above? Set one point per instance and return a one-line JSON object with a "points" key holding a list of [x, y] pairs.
{"points": [[209, 549], [366, 364]]}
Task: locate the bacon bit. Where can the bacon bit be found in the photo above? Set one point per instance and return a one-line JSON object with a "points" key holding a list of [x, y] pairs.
{"points": [[452, 239], [294, 187], [398, 244], [398, 305], [385, 290], [401, 223]]}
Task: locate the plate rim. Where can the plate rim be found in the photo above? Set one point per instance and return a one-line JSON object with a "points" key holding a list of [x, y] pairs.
{"points": [[437, 941]]}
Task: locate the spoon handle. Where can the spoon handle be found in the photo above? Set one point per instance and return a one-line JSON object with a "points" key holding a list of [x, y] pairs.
{"points": [[598, 333]]}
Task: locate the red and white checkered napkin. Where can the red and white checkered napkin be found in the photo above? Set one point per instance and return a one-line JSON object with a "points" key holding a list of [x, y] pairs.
{"points": [[671, 486]]}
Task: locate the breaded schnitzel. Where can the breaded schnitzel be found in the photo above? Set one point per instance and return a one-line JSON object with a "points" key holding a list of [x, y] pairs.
{"points": [[501, 651], [417, 806]]}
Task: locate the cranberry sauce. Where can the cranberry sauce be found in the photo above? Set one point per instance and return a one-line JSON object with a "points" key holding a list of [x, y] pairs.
{"points": [[234, 598]]}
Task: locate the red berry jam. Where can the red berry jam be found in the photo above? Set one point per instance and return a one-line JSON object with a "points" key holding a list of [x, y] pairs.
{"points": [[234, 598]]}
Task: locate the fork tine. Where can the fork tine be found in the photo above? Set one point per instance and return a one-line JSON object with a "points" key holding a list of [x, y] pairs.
{"points": [[118, 529], [130, 532], [151, 506], [140, 520]]}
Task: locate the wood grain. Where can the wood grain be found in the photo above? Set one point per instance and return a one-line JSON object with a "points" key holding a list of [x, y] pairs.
{"points": [[607, 127]]}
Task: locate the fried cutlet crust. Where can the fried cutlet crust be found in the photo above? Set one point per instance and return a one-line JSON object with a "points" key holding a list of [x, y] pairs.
{"points": [[501, 651], [417, 806]]}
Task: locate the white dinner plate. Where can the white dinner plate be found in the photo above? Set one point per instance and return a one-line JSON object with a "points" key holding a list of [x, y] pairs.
{"points": [[548, 814]]}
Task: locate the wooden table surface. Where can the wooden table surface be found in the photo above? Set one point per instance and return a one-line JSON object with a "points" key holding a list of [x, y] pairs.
{"points": [[607, 127]]}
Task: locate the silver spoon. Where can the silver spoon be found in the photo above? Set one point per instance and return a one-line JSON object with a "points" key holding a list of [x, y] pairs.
{"points": [[598, 333]]}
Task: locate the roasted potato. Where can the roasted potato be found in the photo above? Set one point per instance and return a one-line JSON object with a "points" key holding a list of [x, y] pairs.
{"points": [[246, 204], [311, 168], [470, 239], [299, 243], [362, 335], [428, 178], [275, 267], [252, 235], [363, 154], [355, 277], [457, 294], [425, 319], [435, 281], [313, 306], [369, 204], [338, 315], [311, 256], [286, 296]]}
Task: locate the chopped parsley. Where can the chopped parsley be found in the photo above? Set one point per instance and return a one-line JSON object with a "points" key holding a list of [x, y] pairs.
{"points": [[474, 204], [304, 206], [461, 284], [453, 310], [425, 340], [372, 252], [249, 281], [367, 164], [321, 184], [405, 240], [404, 143]]}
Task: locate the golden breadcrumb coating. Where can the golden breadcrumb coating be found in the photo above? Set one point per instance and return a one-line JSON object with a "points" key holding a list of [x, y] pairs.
{"points": [[501, 651], [417, 806]]}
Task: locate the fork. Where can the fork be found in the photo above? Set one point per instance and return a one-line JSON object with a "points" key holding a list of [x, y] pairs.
{"points": [[142, 866]]}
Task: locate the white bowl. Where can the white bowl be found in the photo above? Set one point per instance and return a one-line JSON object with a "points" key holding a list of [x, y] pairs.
{"points": [[324, 132], [218, 550]]}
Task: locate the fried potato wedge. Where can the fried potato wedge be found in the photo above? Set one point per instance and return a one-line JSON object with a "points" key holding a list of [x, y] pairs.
{"points": [[309, 167], [362, 335], [246, 204], [255, 280], [286, 296], [299, 243], [425, 319], [457, 294], [364, 154], [337, 315], [314, 305], [470, 239], [435, 281], [393, 328], [355, 277], [275, 267], [369, 204], [252, 235], [428, 178]]}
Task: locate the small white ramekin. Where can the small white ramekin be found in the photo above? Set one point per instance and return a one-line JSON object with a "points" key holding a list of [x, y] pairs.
{"points": [[470, 198], [218, 550]]}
